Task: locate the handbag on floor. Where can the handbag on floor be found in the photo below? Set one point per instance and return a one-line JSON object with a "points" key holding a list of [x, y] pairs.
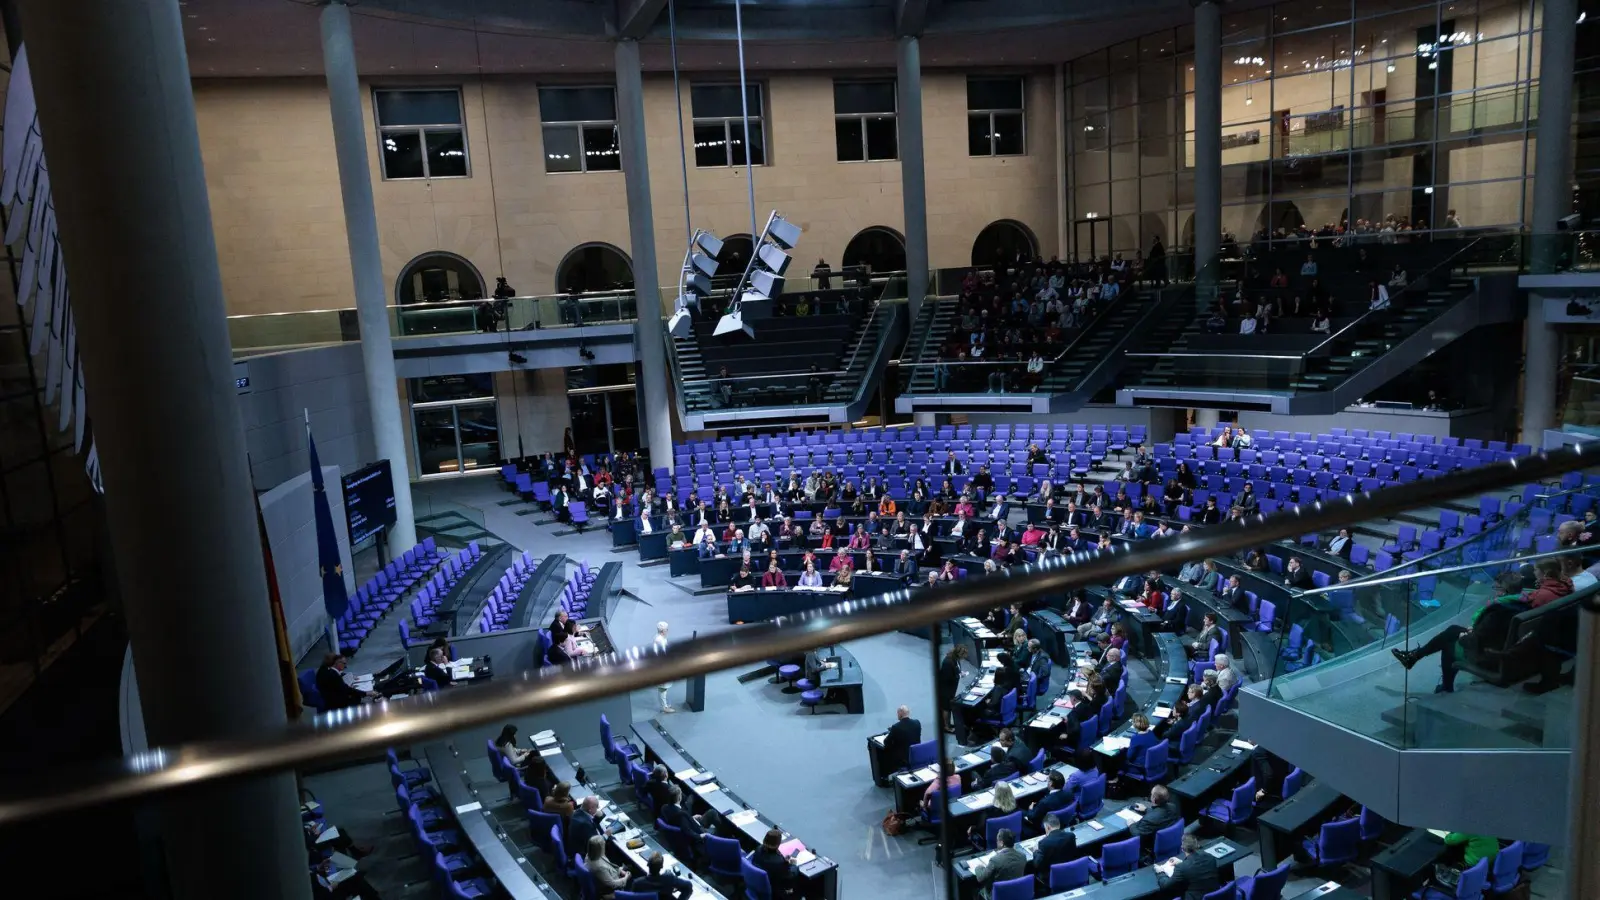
{"points": [[894, 823]]}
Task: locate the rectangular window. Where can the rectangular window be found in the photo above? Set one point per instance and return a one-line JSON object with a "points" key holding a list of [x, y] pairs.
{"points": [[995, 117], [719, 125], [580, 129], [421, 133], [864, 123]]}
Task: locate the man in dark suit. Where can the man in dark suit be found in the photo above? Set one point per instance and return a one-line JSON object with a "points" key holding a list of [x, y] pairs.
{"points": [[1296, 575], [1175, 616], [1058, 798], [1160, 812], [1058, 846], [664, 885], [1232, 593], [953, 466], [999, 508], [1001, 767], [658, 787], [902, 734], [1111, 671], [675, 815], [1016, 750], [905, 567], [336, 694], [1195, 875], [585, 823]]}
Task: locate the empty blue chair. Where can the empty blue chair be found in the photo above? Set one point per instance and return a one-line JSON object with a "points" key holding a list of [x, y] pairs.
{"points": [[1015, 889], [1091, 798], [1372, 825], [675, 839], [1335, 843], [1470, 887], [539, 826], [1168, 841], [558, 849], [1507, 868], [723, 857], [757, 886], [1118, 858], [1293, 782], [1008, 711], [613, 748], [1188, 742], [924, 754], [1264, 885], [1237, 808], [1068, 875], [1534, 855], [1226, 892]]}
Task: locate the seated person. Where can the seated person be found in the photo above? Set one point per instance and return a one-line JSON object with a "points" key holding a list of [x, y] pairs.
{"points": [[336, 692], [843, 578], [1487, 630], [1195, 875], [810, 577], [782, 874], [665, 885], [1185, 712], [743, 581], [608, 878], [774, 577], [1005, 803], [1001, 765], [506, 743], [559, 803], [1006, 864], [1209, 632], [1056, 797], [937, 787], [1162, 810], [1059, 845], [675, 815]]}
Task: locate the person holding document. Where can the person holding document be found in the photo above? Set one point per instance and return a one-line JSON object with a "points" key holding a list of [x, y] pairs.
{"points": [[1195, 874]]}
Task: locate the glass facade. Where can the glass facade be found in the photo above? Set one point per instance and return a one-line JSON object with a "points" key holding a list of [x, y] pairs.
{"points": [[1418, 114]]}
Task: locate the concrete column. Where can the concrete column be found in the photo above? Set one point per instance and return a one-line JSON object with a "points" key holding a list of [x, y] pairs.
{"points": [[1207, 132], [1552, 181], [136, 233], [654, 378], [366, 264], [1539, 374], [913, 175], [1583, 811]]}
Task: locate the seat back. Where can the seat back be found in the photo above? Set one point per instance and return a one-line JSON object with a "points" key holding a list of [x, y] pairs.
{"points": [[1014, 889], [1068, 875], [675, 839], [757, 886], [1243, 803], [1534, 855], [1187, 744], [539, 828], [1507, 868], [1371, 825], [723, 855], [1293, 782], [1227, 892], [923, 754], [1168, 841], [1156, 762], [1473, 881], [1091, 797], [995, 823], [497, 761], [605, 740], [586, 888], [1119, 858], [1267, 885], [1339, 842]]}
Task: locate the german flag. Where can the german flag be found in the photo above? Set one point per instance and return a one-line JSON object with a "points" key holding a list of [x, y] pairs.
{"points": [[286, 672]]}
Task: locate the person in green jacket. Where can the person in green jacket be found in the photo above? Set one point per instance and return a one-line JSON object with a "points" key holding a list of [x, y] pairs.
{"points": [[1472, 847], [1447, 643]]}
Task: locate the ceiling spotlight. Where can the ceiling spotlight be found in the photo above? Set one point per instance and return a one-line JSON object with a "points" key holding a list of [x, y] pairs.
{"points": [[732, 324], [763, 278]]}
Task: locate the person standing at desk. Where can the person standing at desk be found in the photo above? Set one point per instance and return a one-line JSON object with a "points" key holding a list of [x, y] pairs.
{"points": [[1195, 875], [905, 732], [950, 681], [663, 884], [336, 693]]}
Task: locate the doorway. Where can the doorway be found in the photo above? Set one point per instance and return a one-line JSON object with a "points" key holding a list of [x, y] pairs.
{"points": [[1091, 238]]}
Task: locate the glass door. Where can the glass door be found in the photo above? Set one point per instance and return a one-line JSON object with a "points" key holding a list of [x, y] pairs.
{"points": [[456, 437], [1091, 239]]}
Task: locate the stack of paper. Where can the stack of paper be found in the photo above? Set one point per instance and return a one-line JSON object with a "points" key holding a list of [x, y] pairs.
{"points": [[543, 735], [706, 788], [545, 741], [981, 800], [973, 759], [744, 817], [1115, 744], [926, 774], [686, 774], [880, 739], [1128, 815], [550, 751], [1160, 712], [1243, 744]]}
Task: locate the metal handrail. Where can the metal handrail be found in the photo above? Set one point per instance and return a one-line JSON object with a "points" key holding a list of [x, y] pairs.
{"points": [[367, 729]]}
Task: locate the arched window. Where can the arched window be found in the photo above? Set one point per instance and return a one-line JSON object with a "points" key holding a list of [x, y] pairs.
{"points": [[1002, 241], [437, 276], [883, 249], [594, 267]]}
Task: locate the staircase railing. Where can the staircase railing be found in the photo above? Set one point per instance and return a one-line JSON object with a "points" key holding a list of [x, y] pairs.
{"points": [[370, 728]]}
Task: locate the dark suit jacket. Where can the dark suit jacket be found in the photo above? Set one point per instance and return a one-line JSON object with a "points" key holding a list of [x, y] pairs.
{"points": [[658, 793], [580, 828], [1156, 818], [1057, 847], [335, 693], [1300, 579], [1112, 675], [1176, 616], [438, 673], [674, 815], [1049, 803], [665, 886], [1021, 755], [902, 734], [1344, 551], [905, 568], [779, 872], [1005, 768], [1196, 876]]}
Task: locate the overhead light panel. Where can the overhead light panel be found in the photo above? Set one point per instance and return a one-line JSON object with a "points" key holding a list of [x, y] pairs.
{"points": [[786, 233], [732, 324]]}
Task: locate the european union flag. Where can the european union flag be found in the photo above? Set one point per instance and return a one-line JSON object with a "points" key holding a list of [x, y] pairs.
{"points": [[334, 598]]}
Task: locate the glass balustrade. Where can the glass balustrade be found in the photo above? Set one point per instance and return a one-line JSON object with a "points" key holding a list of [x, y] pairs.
{"points": [[1462, 644]]}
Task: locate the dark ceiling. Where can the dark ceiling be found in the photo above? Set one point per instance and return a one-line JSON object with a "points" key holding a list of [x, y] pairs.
{"points": [[266, 38]]}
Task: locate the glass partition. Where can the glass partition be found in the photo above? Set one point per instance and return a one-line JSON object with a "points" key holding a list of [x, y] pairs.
{"points": [[1460, 644]]}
